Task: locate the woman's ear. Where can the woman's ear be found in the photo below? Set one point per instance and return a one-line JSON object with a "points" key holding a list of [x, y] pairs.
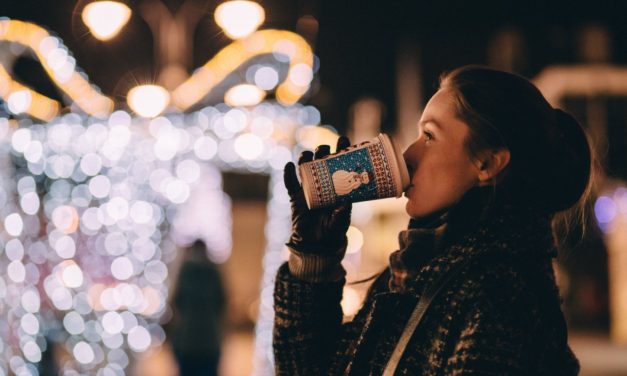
{"points": [[492, 163]]}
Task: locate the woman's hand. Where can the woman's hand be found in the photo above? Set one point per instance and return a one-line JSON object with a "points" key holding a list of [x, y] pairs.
{"points": [[321, 231]]}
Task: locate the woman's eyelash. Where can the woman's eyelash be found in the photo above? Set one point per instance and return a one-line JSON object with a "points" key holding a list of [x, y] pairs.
{"points": [[428, 135]]}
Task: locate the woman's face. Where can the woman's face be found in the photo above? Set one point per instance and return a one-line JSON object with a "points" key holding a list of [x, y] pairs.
{"points": [[440, 168]]}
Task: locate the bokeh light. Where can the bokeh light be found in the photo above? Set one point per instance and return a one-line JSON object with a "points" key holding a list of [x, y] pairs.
{"points": [[106, 18], [148, 100], [244, 95], [95, 207], [239, 18]]}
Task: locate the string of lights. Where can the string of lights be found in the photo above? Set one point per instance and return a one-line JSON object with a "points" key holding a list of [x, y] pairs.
{"points": [[97, 201]]}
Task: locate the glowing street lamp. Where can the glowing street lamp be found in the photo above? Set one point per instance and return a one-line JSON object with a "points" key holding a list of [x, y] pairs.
{"points": [[148, 100], [105, 18], [239, 18]]}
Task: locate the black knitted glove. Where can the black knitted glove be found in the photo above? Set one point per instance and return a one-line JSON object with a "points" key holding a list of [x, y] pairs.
{"points": [[319, 231]]}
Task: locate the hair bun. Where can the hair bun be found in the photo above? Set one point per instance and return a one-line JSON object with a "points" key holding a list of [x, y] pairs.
{"points": [[570, 169]]}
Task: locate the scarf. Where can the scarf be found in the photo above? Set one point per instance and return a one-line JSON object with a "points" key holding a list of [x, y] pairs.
{"points": [[417, 245], [426, 238]]}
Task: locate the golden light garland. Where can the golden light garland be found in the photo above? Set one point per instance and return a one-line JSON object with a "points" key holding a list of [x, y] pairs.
{"points": [[65, 76], [60, 67], [262, 42]]}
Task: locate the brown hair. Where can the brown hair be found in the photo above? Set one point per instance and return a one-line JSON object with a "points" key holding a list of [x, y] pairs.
{"points": [[550, 163]]}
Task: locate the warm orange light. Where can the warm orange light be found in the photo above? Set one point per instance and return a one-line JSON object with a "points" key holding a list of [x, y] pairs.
{"points": [[244, 95], [59, 67], [239, 18], [263, 42], [148, 100], [21, 99], [311, 136], [105, 19]]}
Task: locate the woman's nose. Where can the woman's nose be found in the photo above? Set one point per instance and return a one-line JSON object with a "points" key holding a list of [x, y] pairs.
{"points": [[411, 154]]}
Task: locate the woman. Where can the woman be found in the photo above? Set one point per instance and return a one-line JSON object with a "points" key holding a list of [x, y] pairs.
{"points": [[491, 167]]}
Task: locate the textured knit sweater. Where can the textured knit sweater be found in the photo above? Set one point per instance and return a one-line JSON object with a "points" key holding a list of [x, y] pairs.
{"points": [[499, 316]]}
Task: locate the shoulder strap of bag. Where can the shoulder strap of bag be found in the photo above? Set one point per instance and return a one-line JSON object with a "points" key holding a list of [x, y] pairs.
{"points": [[417, 314]]}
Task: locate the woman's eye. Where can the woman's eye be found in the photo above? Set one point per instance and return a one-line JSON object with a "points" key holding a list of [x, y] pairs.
{"points": [[428, 135]]}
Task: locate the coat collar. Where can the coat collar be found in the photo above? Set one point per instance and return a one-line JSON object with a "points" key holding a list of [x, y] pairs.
{"points": [[476, 225]]}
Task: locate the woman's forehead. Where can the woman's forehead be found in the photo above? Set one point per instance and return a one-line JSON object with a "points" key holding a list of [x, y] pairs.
{"points": [[441, 109], [441, 104]]}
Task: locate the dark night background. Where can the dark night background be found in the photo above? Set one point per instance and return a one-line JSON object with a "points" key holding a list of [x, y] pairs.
{"points": [[357, 41], [358, 44]]}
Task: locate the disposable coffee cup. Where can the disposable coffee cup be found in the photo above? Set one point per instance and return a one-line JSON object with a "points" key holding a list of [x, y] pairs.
{"points": [[371, 170]]}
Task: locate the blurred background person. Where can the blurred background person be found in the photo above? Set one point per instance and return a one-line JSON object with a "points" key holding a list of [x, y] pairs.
{"points": [[198, 304]]}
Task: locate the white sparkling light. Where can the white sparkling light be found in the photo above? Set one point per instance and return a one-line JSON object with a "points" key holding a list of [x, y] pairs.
{"points": [[112, 322], [16, 271], [115, 243], [30, 301], [72, 275], [19, 101], [105, 18], [156, 272], [83, 353], [205, 148], [239, 18], [139, 339], [21, 139], [117, 208], [301, 75], [29, 324], [266, 78], [141, 212], [62, 298], [244, 95], [91, 163], [122, 268], [113, 190], [34, 151], [14, 250], [248, 146], [177, 191], [30, 203], [148, 100], [13, 224], [65, 247], [32, 352], [74, 323], [99, 186], [188, 170], [65, 218]]}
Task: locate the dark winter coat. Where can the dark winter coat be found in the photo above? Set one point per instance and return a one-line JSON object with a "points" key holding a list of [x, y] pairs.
{"points": [[499, 316]]}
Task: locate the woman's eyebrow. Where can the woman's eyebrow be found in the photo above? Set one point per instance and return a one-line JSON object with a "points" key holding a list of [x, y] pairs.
{"points": [[432, 121]]}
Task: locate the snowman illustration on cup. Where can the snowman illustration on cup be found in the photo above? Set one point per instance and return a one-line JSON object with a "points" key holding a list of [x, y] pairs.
{"points": [[345, 182]]}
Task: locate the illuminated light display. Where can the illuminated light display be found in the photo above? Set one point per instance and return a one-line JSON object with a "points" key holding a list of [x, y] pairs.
{"points": [[60, 67], [119, 194], [239, 18], [244, 95], [105, 18], [148, 100], [92, 223], [30, 102], [287, 47]]}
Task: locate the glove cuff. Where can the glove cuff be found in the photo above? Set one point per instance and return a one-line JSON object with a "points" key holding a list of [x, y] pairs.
{"points": [[317, 267]]}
